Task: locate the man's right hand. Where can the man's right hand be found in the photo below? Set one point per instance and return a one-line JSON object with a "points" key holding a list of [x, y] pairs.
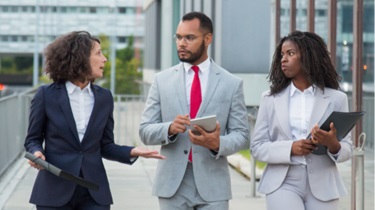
{"points": [[39, 155], [179, 124]]}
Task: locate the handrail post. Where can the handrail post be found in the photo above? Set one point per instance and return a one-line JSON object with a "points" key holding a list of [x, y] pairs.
{"points": [[359, 177], [252, 118]]}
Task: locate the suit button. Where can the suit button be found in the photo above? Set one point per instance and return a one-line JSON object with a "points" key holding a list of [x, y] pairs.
{"points": [[185, 152]]}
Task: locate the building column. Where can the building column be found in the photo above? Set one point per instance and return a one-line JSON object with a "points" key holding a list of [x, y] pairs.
{"points": [[167, 32]]}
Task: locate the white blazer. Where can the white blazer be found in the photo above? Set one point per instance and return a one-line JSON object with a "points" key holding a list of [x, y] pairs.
{"points": [[271, 142]]}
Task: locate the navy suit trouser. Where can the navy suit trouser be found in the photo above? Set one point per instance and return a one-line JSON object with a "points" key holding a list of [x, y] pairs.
{"points": [[81, 200]]}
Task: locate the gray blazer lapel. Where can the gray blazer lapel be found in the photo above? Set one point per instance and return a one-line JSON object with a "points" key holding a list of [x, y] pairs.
{"points": [[179, 85], [213, 81], [320, 106], [281, 104]]}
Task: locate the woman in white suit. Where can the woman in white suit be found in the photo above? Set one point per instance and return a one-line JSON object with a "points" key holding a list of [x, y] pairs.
{"points": [[303, 93]]}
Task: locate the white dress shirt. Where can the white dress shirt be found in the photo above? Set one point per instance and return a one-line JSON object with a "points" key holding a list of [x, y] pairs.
{"points": [[204, 71], [82, 103], [300, 110]]}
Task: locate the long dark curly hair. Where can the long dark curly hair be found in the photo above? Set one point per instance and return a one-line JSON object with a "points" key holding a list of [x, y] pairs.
{"points": [[315, 61], [67, 58]]}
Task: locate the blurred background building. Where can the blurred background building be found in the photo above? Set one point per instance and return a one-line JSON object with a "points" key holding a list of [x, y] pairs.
{"points": [[28, 26], [21, 20]]}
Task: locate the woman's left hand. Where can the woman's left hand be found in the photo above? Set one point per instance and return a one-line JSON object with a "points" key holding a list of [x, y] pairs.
{"points": [[326, 138]]}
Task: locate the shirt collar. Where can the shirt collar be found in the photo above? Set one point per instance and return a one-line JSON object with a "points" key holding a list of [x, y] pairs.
{"points": [[202, 66], [293, 89], [70, 87]]}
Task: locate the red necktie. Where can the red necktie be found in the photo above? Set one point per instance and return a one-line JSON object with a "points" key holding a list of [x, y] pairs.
{"points": [[195, 98]]}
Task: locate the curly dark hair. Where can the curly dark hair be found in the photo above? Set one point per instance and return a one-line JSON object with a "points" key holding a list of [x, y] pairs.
{"points": [[67, 58], [315, 61], [204, 20]]}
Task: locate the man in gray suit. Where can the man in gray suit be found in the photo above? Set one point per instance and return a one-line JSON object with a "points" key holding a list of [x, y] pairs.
{"points": [[202, 182]]}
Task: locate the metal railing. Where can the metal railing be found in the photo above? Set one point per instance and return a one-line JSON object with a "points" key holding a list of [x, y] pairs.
{"points": [[127, 115], [368, 119], [14, 118]]}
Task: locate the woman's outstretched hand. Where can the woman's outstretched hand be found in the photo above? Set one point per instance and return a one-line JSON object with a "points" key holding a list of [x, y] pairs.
{"points": [[146, 153]]}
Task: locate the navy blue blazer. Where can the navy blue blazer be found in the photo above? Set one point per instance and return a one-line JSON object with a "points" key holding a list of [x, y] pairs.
{"points": [[52, 123]]}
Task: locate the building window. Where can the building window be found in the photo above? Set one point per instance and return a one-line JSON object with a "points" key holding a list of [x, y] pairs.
{"points": [[368, 19], [14, 9], [83, 10], [102, 10], [131, 10], [284, 12], [122, 10], [92, 9], [43, 9], [320, 12], [347, 23], [63, 9], [121, 39], [24, 38], [4, 38], [72, 9], [302, 12], [5, 8]]}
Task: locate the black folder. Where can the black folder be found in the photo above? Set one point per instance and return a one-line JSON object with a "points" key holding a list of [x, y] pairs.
{"points": [[60, 173], [343, 122]]}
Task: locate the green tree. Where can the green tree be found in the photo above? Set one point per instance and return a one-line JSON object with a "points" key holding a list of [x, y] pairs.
{"points": [[127, 74]]}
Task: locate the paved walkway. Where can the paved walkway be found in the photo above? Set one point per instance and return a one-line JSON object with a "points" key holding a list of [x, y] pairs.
{"points": [[131, 185]]}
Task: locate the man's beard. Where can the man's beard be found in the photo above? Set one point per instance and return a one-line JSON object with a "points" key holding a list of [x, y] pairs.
{"points": [[194, 56]]}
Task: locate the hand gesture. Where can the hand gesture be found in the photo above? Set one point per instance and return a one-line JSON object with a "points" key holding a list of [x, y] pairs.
{"points": [[146, 153], [209, 140], [40, 155]]}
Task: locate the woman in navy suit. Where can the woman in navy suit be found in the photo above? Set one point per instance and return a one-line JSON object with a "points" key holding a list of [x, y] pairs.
{"points": [[73, 118], [304, 92]]}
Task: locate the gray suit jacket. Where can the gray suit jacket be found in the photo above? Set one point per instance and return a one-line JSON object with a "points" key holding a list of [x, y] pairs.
{"points": [[271, 142], [167, 99]]}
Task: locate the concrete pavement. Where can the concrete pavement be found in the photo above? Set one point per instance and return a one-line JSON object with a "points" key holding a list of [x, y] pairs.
{"points": [[131, 185]]}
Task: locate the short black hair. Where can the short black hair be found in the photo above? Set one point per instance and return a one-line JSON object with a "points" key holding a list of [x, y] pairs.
{"points": [[204, 20]]}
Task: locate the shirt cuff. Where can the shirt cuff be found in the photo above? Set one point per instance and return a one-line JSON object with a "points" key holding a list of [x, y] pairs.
{"points": [[335, 155]]}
